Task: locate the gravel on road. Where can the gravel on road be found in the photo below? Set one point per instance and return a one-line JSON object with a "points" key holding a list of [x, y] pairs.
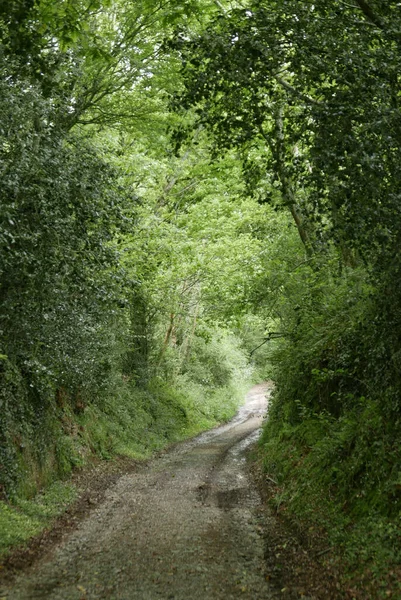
{"points": [[186, 525]]}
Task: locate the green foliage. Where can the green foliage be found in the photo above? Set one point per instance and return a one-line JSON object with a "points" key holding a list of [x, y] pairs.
{"points": [[21, 521], [331, 441], [123, 267], [308, 94], [59, 213], [341, 477]]}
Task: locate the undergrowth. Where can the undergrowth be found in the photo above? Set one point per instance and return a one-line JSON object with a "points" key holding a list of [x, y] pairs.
{"points": [[26, 518], [330, 484], [126, 419], [331, 442]]}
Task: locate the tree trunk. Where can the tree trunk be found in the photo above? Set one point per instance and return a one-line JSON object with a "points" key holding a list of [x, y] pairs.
{"points": [[287, 185]]}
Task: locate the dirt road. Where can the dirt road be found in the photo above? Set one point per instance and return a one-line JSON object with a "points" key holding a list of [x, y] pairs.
{"points": [[186, 526]]}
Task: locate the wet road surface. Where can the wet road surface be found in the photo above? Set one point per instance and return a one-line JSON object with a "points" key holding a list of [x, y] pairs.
{"points": [[186, 526]]}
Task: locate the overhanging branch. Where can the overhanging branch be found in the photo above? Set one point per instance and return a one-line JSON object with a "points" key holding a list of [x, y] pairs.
{"points": [[369, 14], [272, 335]]}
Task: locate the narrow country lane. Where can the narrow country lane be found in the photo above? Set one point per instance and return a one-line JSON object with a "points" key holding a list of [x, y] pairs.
{"points": [[186, 526]]}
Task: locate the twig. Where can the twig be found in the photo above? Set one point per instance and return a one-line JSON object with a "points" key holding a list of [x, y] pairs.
{"points": [[276, 334], [324, 551]]}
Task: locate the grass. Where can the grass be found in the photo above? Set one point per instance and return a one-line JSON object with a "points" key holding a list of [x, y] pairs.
{"points": [[129, 422], [24, 519], [331, 490]]}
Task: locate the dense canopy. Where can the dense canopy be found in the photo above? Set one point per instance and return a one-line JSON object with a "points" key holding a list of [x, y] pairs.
{"points": [[195, 195]]}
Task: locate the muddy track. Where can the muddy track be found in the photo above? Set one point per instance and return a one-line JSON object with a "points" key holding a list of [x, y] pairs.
{"points": [[189, 524], [186, 526]]}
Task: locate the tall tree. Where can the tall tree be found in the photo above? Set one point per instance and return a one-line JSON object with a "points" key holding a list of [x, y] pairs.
{"points": [[316, 85]]}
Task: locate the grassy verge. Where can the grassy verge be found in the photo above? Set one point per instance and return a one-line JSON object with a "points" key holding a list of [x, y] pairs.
{"points": [[352, 530], [131, 422], [52, 436], [24, 519]]}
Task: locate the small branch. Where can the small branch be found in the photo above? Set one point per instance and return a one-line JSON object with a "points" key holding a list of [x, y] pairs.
{"points": [[369, 14], [272, 335], [220, 6], [296, 92], [324, 551]]}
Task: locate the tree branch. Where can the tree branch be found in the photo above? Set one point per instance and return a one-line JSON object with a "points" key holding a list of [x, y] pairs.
{"points": [[272, 335], [220, 6], [369, 14], [296, 92]]}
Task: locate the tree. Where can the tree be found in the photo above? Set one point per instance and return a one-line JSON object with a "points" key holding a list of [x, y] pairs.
{"points": [[315, 86]]}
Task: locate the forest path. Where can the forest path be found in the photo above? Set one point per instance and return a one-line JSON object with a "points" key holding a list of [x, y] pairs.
{"points": [[186, 526]]}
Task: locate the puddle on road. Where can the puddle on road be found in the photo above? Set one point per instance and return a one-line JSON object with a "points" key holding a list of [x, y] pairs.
{"points": [[231, 498]]}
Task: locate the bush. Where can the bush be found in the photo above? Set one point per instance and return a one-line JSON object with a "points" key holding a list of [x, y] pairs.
{"points": [[332, 438]]}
